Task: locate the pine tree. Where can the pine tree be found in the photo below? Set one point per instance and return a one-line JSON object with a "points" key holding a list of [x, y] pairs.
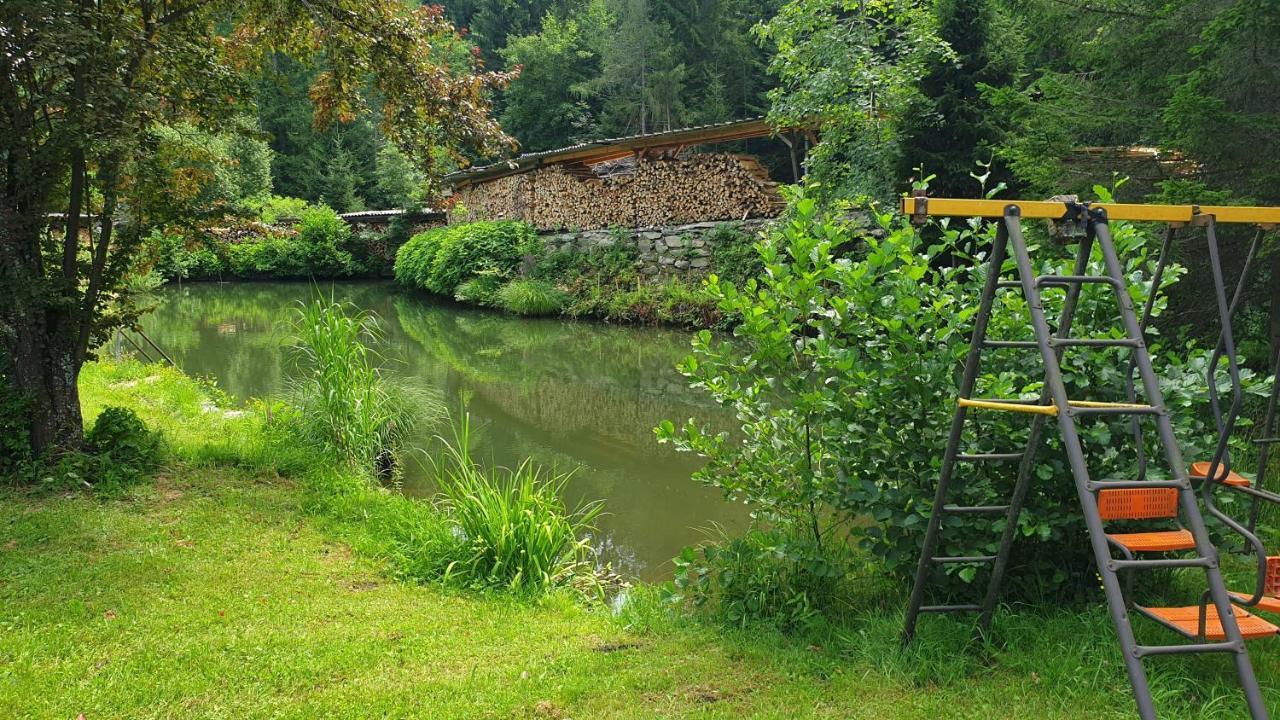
{"points": [[952, 127]]}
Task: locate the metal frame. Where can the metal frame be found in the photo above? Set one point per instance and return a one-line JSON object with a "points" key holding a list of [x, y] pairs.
{"points": [[1054, 402]]}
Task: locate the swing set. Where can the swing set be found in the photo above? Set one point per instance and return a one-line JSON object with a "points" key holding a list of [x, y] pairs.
{"points": [[1222, 620]]}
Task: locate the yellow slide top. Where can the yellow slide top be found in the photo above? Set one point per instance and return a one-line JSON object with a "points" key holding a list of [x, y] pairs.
{"points": [[1055, 210]]}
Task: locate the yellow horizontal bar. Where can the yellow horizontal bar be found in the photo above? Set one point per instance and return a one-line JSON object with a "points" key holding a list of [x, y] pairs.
{"points": [[1044, 409], [1009, 407], [957, 207], [1096, 404]]}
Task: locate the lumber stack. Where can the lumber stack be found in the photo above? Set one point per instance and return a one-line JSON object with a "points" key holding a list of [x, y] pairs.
{"points": [[631, 193]]}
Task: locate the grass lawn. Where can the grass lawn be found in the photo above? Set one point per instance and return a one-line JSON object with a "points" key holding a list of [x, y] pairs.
{"points": [[209, 593]]}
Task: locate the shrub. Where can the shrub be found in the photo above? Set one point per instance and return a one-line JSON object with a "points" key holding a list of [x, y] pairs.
{"points": [[843, 377], [733, 254], [15, 432], [517, 532], [323, 237], [531, 297], [480, 290], [275, 208], [124, 447], [441, 259], [761, 577]]}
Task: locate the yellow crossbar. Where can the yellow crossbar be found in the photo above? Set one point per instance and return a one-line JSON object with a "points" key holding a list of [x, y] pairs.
{"points": [[1052, 210], [1009, 406], [1044, 409]]}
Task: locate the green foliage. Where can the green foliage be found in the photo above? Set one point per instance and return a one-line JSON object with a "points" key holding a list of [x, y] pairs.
{"points": [[733, 254], [761, 577], [951, 125], [397, 183], [346, 405], [531, 297], [443, 258], [480, 290], [853, 66], [516, 532], [325, 237], [125, 448], [843, 373], [276, 208], [15, 432], [1179, 75], [546, 107]]}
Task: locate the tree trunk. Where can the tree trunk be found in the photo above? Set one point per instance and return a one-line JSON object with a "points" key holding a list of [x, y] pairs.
{"points": [[38, 362]]}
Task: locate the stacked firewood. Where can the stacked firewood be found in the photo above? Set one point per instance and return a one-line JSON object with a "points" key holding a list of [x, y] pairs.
{"points": [[649, 193]]}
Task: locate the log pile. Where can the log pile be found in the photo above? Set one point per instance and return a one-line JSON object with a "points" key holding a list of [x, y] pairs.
{"points": [[655, 192]]}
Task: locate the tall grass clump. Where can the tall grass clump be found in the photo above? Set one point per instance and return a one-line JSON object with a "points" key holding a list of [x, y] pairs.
{"points": [[345, 404], [516, 532], [532, 297]]}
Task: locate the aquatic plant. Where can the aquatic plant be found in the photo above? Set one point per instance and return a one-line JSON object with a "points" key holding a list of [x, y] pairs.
{"points": [[346, 405], [515, 529], [532, 297]]}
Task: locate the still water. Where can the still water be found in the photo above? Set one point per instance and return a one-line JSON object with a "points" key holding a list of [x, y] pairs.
{"points": [[573, 395]]}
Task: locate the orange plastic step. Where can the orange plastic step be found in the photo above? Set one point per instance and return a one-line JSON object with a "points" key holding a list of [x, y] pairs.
{"points": [[1161, 541], [1138, 504], [1200, 470], [1266, 604], [1187, 621]]}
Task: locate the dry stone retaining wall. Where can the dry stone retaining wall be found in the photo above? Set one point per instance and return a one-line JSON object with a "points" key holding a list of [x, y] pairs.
{"points": [[671, 250]]}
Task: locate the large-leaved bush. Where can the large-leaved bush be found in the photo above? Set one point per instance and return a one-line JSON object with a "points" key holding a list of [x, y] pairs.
{"points": [[843, 376]]}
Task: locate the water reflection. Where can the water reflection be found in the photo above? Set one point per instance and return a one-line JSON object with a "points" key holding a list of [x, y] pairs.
{"points": [[578, 396]]}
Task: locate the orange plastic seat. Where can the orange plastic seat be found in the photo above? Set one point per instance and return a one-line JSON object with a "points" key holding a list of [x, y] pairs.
{"points": [[1270, 601], [1200, 470], [1187, 621], [1161, 541], [1266, 604], [1138, 504]]}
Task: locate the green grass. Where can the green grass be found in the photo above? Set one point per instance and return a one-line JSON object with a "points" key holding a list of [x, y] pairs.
{"points": [[531, 297], [215, 591]]}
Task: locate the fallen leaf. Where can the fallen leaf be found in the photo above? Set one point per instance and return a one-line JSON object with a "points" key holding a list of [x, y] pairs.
{"points": [[109, 615], [11, 545]]}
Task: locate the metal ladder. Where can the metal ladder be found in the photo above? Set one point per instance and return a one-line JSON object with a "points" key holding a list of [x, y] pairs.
{"points": [[1054, 402]]}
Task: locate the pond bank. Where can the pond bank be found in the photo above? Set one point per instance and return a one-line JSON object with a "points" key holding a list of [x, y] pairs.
{"points": [[208, 592], [579, 397]]}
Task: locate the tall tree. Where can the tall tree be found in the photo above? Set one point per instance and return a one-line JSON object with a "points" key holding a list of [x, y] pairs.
{"points": [[640, 75], [549, 104], [82, 84], [952, 126], [852, 66]]}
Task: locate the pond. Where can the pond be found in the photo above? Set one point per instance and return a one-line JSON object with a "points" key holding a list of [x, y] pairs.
{"points": [[573, 395]]}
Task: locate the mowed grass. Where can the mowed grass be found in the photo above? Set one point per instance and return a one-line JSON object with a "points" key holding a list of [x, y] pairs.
{"points": [[209, 593]]}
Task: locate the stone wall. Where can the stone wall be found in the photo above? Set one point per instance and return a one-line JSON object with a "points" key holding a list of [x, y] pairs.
{"points": [[670, 250]]}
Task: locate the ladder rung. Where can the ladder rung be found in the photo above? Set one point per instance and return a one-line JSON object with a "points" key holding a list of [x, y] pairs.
{"points": [[1094, 342], [1085, 407], [1267, 441], [1185, 649], [949, 608], [1098, 485], [1016, 405], [1075, 279], [983, 457], [961, 509], [1162, 563], [1010, 343], [1009, 284], [945, 560], [1079, 407]]}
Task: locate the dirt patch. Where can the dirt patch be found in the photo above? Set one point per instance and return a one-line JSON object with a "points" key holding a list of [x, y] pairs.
{"points": [[612, 647]]}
